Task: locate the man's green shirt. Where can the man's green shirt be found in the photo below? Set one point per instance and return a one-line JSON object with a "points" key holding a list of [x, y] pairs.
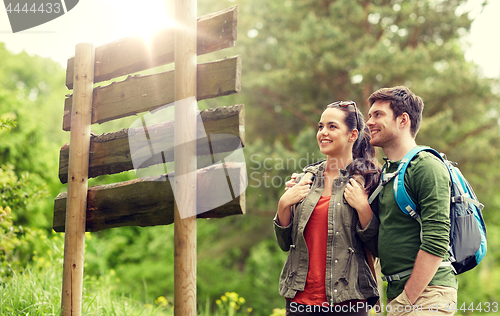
{"points": [[427, 182]]}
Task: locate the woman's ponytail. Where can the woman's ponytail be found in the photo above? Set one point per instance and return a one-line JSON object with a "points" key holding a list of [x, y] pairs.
{"points": [[363, 153], [362, 148]]}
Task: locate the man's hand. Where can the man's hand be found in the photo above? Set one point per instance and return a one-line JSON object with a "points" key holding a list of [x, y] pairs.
{"points": [[426, 266], [357, 197], [291, 183]]}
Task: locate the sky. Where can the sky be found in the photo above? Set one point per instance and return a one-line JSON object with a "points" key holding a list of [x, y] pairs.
{"points": [[103, 21], [90, 21]]}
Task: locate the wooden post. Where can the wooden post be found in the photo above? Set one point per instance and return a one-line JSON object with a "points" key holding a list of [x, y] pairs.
{"points": [[71, 301], [185, 158]]}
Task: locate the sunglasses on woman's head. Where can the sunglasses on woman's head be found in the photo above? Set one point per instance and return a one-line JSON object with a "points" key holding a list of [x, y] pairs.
{"points": [[344, 104]]}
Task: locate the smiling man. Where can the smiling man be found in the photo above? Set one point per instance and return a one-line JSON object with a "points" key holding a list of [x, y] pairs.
{"points": [[413, 256]]}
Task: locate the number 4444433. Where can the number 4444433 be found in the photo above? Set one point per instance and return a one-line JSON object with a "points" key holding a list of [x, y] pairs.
{"points": [[472, 307], [42, 8]]}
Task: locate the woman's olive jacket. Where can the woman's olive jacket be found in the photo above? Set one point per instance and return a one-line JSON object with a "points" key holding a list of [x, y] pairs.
{"points": [[348, 276]]}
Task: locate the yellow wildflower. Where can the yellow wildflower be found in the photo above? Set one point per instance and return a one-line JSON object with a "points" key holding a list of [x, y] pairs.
{"points": [[233, 296], [161, 301]]}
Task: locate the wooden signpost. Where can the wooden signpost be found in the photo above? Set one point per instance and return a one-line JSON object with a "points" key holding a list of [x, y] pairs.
{"points": [[74, 243], [185, 159], [150, 200]]}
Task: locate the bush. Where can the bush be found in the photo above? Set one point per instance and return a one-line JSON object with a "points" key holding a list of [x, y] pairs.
{"points": [[17, 243]]}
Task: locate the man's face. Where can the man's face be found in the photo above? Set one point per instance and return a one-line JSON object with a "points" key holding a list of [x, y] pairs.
{"points": [[382, 124]]}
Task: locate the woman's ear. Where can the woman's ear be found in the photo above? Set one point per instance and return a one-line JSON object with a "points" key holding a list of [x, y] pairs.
{"points": [[354, 136]]}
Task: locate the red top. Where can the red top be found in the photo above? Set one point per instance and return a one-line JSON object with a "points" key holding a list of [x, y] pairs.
{"points": [[316, 235]]}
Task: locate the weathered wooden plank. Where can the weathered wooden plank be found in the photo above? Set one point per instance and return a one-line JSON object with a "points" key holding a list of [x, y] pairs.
{"points": [[110, 153], [149, 201], [145, 93], [216, 31]]}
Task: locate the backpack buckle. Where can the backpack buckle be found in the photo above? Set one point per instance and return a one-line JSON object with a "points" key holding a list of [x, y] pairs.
{"points": [[458, 199], [390, 278], [397, 276]]}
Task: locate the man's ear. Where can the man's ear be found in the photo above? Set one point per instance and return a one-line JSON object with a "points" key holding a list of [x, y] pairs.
{"points": [[404, 120]]}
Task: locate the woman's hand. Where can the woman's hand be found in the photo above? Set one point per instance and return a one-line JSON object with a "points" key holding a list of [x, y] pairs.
{"points": [[295, 193], [357, 198], [292, 196]]}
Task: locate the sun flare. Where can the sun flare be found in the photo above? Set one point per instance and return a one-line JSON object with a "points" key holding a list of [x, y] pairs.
{"points": [[147, 17]]}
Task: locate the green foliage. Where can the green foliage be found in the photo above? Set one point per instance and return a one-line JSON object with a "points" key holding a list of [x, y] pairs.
{"points": [[17, 242], [18, 193], [32, 94], [227, 266], [142, 259], [12, 240], [298, 56], [7, 123], [37, 291]]}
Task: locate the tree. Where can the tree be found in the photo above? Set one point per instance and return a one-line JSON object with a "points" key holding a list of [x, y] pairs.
{"points": [[32, 93], [300, 56]]}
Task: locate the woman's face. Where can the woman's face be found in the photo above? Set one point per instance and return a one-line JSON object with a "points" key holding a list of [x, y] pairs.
{"points": [[334, 138]]}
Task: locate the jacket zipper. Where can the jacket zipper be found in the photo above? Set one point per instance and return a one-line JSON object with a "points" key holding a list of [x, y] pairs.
{"points": [[293, 246], [333, 243], [348, 266], [292, 272]]}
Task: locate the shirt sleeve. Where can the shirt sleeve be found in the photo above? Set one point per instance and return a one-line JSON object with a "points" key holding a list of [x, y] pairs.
{"points": [[283, 234], [369, 234], [429, 185]]}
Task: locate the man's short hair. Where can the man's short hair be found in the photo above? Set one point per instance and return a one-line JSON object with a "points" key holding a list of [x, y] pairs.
{"points": [[401, 100]]}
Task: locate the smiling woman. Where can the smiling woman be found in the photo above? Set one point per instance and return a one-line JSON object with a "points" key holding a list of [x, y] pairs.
{"points": [[326, 208]]}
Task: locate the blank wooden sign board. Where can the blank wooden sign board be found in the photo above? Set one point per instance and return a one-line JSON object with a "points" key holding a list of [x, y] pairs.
{"points": [[207, 153]]}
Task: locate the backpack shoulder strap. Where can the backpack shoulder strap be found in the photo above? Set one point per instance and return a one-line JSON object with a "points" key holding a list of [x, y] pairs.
{"points": [[404, 201], [384, 178]]}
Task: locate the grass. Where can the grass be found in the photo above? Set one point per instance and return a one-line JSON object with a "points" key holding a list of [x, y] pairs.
{"points": [[37, 291]]}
